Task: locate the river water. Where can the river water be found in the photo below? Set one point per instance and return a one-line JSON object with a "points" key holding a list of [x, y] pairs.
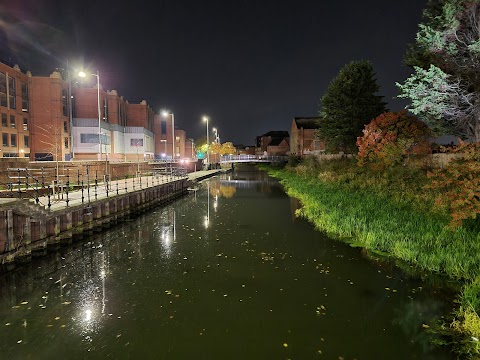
{"points": [[226, 272]]}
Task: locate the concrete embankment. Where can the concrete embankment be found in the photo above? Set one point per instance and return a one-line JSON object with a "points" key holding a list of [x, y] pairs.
{"points": [[30, 228]]}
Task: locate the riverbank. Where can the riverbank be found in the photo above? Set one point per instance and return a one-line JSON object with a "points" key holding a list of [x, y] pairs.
{"points": [[391, 220]]}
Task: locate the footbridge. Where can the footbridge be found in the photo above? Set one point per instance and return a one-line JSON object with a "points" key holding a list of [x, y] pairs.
{"points": [[253, 159]]}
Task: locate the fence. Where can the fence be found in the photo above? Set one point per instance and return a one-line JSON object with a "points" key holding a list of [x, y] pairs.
{"points": [[44, 185]]}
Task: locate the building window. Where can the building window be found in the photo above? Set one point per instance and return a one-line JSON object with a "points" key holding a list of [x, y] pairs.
{"points": [[89, 138], [65, 127], [4, 120], [3, 90], [25, 141], [25, 104], [64, 102], [177, 138], [25, 124], [177, 151], [65, 141], [13, 139], [12, 93], [12, 122], [136, 142], [164, 127], [5, 139]]}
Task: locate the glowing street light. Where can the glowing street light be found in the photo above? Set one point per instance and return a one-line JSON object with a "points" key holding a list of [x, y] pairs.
{"points": [[82, 74], [205, 119], [165, 114]]}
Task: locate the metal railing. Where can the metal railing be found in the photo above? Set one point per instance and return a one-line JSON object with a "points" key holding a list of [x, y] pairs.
{"points": [[253, 158], [80, 187]]}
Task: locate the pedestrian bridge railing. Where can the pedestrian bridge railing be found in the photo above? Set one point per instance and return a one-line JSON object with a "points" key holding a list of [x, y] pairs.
{"points": [[253, 158]]}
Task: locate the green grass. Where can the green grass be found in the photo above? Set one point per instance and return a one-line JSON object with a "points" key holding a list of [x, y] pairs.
{"points": [[392, 213]]}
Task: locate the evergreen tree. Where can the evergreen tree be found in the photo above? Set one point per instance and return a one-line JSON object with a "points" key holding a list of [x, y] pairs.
{"points": [[444, 89], [349, 103]]}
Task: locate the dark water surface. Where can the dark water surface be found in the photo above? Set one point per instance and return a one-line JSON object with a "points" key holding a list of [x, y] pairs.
{"points": [[223, 273]]}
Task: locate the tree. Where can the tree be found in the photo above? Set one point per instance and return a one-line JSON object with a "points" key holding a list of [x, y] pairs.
{"points": [[444, 89], [348, 104], [227, 149], [201, 147], [215, 148], [390, 137]]}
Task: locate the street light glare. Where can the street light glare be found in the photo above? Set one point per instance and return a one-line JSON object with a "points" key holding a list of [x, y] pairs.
{"points": [[205, 118], [165, 113], [82, 74]]}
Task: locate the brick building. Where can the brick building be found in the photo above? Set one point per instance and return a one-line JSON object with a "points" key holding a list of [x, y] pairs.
{"points": [[87, 144], [190, 148], [303, 139], [15, 111], [37, 113], [50, 118], [273, 143], [162, 129]]}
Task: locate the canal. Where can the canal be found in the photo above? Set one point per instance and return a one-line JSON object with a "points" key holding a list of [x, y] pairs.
{"points": [[226, 272]]}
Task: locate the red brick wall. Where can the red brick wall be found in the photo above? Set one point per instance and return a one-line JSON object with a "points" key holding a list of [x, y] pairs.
{"points": [[140, 115], [49, 126]]}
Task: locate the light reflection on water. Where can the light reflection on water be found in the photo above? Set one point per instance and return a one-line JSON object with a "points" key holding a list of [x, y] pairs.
{"points": [[226, 272]]}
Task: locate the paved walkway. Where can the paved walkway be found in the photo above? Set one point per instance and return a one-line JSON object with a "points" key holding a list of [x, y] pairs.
{"points": [[122, 186]]}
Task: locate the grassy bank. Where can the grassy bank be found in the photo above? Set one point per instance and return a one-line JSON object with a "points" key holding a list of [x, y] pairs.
{"points": [[393, 213]]}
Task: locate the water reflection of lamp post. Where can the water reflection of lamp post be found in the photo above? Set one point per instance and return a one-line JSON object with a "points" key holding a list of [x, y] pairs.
{"points": [[103, 274], [207, 219]]}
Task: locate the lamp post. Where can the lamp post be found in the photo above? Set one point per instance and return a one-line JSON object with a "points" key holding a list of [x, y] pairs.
{"points": [[70, 112], [205, 118], [166, 113], [82, 74]]}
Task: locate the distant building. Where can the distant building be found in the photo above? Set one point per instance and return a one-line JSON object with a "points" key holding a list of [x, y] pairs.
{"points": [[273, 143], [241, 149], [303, 140]]}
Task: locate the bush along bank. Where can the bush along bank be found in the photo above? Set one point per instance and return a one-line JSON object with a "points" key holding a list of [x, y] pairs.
{"points": [[394, 212]]}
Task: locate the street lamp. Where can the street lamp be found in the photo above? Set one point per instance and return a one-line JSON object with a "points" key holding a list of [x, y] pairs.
{"points": [[82, 74], [215, 131], [205, 118], [166, 113]]}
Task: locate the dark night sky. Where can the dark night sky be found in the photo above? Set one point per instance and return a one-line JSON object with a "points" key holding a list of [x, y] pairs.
{"points": [[250, 65]]}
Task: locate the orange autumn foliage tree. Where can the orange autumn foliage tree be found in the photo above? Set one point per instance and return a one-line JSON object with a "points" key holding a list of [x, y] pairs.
{"points": [[458, 184], [390, 137]]}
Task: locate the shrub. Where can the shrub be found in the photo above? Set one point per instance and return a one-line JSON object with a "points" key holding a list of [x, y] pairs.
{"points": [[391, 137], [458, 185]]}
